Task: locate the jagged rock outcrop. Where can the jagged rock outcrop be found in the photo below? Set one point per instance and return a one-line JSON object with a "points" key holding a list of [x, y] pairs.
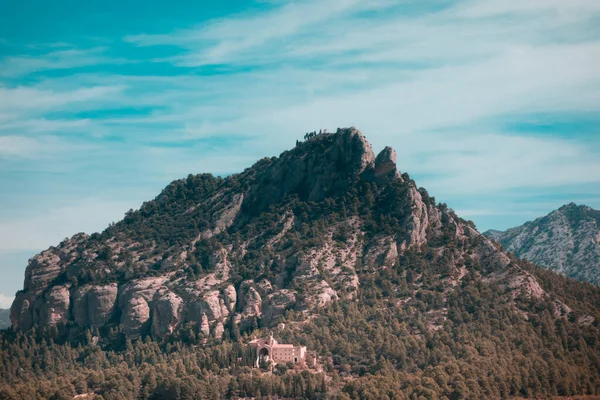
{"points": [[135, 299], [93, 305], [297, 232], [250, 305], [567, 241], [21, 311], [55, 307], [340, 159], [385, 164], [166, 312]]}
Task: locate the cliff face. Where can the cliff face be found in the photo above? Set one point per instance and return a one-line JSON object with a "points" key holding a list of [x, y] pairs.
{"points": [[296, 232], [567, 241]]}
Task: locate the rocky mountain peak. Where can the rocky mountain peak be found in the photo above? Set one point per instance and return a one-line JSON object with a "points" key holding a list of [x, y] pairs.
{"points": [[347, 151], [569, 206], [565, 240], [317, 168], [294, 232]]}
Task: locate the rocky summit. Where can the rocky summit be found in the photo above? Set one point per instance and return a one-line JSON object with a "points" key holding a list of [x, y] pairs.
{"points": [[566, 241], [289, 233]]}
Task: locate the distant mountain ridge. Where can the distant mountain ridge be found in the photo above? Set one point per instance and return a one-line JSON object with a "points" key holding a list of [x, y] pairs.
{"points": [[567, 241], [4, 318]]}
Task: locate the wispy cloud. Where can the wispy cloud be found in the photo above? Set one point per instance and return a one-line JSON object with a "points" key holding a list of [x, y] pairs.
{"points": [[41, 147], [239, 34], [41, 100], [15, 66], [428, 75], [374, 31], [19, 146]]}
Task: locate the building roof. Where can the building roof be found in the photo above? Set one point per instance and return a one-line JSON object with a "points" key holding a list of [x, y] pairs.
{"points": [[277, 345]]}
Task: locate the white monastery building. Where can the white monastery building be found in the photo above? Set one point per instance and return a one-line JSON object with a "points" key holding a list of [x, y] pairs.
{"points": [[270, 350]]}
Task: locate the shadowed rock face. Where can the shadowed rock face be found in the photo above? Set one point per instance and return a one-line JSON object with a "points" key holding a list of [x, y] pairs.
{"points": [[385, 163], [93, 305], [316, 169], [567, 241], [223, 252]]}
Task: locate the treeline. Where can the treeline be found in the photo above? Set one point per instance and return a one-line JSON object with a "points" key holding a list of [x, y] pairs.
{"points": [[36, 367]]}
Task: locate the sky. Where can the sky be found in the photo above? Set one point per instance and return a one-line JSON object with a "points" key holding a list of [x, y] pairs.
{"points": [[492, 105]]}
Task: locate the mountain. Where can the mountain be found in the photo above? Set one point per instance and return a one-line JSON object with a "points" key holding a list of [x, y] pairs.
{"points": [[330, 247], [4, 318], [566, 241]]}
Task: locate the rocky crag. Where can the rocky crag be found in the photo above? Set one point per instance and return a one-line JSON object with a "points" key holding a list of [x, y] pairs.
{"points": [[566, 241], [293, 233]]}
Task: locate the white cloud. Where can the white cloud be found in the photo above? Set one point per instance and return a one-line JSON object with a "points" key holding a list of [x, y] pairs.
{"points": [[238, 34], [323, 30], [42, 146], [6, 301], [492, 163], [431, 84], [489, 8], [16, 66], [415, 73], [32, 99], [41, 125], [19, 146]]}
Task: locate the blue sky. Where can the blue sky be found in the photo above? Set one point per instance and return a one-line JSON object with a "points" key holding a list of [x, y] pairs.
{"points": [[492, 105]]}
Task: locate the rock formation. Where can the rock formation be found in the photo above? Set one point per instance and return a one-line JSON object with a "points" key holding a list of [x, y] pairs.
{"points": [[295, 232]]}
